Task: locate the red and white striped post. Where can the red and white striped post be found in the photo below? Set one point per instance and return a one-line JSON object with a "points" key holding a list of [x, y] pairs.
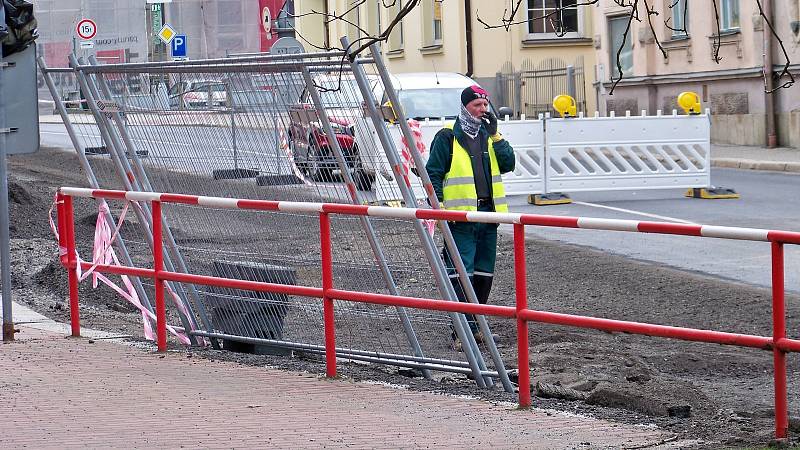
{"points": [[72, 266], [158, 267], [327, 302], [779, 332], [520, 285]]}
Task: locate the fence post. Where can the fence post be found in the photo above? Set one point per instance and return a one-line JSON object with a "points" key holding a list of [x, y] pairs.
{"points": [[72, 266], [517, 80], [570, 74], [158, 266], [779, 332], [521, 288], [327, 302]]}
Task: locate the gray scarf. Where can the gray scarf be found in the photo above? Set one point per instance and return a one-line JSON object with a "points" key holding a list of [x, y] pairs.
{"points": [[469, 124]]}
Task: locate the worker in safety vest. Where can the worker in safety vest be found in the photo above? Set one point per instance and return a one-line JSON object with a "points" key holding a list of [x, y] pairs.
{"points": [[465, 164]]}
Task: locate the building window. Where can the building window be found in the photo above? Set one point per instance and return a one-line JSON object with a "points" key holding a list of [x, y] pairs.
{"points": [[396, 37], [680, 18], [437, 21], [229, 13], [616, 32], [729, 15], [553, 18], [432, 22], [373, 17], [353, 18]]}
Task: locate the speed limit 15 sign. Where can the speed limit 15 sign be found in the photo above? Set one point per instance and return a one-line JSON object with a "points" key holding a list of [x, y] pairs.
{"points": [[86, 29]]}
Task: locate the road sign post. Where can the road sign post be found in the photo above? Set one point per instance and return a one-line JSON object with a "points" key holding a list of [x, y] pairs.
{"points": [[19, 133]]}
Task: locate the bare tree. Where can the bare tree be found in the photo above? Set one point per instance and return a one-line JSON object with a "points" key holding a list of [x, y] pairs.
{"points": [[637, 10]]}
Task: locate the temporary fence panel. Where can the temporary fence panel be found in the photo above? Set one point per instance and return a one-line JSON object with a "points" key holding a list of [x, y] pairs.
{"points": [[244, 141], [631, 152]]}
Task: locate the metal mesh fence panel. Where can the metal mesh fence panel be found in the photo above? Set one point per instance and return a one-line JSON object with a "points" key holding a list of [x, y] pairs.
{"points": [[251, 128]]}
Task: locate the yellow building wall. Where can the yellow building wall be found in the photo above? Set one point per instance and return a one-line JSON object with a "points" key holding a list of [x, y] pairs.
{"points": [[310, 26], [415, 56], [492, 48]]}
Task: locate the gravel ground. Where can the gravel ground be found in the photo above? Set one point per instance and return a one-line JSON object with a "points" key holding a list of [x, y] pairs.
{"points": [[716, 395]]}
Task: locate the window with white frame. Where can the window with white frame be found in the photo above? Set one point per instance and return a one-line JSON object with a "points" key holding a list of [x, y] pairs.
{"points": [[680, 17], [621, 50], [729, 15], [553, 18]]}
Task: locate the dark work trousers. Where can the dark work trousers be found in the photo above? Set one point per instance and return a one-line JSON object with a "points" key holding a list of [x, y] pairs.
{"points": [[477, 244]]}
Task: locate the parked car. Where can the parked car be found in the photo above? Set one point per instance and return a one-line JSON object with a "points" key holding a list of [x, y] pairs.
{"points": [[423, 96], [433, 95], [311, 149], [196, 94]]}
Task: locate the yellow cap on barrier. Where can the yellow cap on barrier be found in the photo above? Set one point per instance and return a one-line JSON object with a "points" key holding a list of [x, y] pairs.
{"points": [[689, 102], [565, 105]]}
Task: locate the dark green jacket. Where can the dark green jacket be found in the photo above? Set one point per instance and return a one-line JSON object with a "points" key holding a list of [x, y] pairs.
{"points": [[442, 154]]}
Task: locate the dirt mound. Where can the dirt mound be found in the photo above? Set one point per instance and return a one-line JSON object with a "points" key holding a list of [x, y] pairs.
{"points": [[17, 193], [658, 397]]}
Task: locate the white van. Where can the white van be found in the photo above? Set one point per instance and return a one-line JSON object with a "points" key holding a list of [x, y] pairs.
{"points": [[432, 95]]}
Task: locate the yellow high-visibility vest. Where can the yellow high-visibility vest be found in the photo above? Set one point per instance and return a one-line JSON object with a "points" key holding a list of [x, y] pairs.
{"points": [[459, 183]]}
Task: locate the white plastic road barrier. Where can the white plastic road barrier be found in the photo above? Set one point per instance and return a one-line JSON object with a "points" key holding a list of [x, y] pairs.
{"points": [[589, 153], [639, 152]]}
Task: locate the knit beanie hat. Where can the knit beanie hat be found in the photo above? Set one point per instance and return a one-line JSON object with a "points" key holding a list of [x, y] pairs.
{"points": [[473, 92]]}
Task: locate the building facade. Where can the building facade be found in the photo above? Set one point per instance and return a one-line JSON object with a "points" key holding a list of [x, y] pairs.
{"points": [[523, 65], [733, 86]]}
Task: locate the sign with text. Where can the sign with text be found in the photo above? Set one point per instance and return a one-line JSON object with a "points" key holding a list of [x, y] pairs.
{"points": [[286, 46]]}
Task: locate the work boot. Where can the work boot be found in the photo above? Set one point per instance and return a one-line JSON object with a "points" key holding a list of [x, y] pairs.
{"points": [[482, 285]]}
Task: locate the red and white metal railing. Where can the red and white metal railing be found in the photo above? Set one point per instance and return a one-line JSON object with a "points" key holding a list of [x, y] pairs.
{"points": [[779, 344]]}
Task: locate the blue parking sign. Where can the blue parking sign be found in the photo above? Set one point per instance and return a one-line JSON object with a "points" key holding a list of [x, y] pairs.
{"points": [[178, 45]]}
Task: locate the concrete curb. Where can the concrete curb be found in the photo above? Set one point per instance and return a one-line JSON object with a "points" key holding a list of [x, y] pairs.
{"points": [[25, 317], [751, 164]]}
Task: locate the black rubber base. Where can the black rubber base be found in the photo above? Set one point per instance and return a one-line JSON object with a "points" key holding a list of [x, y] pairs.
{"points": [[277, 180], [234, 174]]}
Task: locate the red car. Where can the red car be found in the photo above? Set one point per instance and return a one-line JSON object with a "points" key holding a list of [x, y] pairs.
{"points": [[311, 149]]}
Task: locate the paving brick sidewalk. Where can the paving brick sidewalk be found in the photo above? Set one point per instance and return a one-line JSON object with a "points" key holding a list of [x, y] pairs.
{"points": [[60, 392]]}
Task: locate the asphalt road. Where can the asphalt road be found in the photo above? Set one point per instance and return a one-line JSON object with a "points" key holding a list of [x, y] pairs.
{"points": [[770, 200], [193, 149]]}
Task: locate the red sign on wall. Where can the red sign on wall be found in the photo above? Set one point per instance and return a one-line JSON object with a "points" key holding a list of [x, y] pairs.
{"points": [[269, 13], [111, 56]]}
